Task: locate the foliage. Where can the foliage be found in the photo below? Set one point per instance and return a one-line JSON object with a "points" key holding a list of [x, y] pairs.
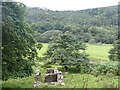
{"points": [[92, 41], [64, 50], [19, 46], [96, 53], [48, 35], [37, 36], [115, 51], [85, 68], [99, 23], [109, 68], [96, 69], [71, 80]]}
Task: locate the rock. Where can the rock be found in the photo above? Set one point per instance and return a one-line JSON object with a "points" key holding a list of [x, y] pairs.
{"points": [[36, 79], [51, 78], [53, 75], [62, 84], [60, 77], [49, 70], [37, 84]]}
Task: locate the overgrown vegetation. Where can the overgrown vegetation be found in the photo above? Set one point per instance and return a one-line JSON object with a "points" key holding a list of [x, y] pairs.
{"points": [[98, 74], [115, 51], [18, 46], [69, 32], [73, 79]]}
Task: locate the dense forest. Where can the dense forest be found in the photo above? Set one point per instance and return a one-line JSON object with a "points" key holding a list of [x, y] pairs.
{"points": [[98, 25]]}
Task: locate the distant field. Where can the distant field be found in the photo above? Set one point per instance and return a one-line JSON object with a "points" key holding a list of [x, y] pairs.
{"points": [[94, 51], [44, 48], [98, 52]]}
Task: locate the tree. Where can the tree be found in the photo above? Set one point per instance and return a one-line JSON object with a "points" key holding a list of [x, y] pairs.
{"points": [[19, 46], [47, 36], [115, 51], [64, 50], [99, 23], [92, 41], [37, 36]]}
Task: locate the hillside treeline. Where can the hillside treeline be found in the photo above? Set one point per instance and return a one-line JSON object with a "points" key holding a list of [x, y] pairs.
{"points": [[90, 25]]}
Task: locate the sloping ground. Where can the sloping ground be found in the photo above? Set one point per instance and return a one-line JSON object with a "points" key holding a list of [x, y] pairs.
{"points": [[71, 80]]}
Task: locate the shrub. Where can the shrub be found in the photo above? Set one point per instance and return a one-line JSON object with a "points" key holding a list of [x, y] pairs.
{"points": [[106, 68]]}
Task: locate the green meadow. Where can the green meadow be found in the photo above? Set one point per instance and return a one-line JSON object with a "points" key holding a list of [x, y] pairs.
{"points": [[94, 51], [78, 81], [98, 52], [43, 49], [73, 79]]}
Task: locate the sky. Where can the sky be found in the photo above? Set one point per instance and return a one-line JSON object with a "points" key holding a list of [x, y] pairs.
{"points": [[61, 5]]}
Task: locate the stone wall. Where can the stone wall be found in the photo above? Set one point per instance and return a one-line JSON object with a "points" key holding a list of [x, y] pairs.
{"points": [[53, 75]]}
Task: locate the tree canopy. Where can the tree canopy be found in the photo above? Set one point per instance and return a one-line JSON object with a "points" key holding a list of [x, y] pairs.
{"points": [[98, 23], [64, 50], [115, 51], [19, 46]]}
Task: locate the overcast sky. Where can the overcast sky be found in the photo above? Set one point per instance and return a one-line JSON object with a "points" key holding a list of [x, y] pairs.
{"points": [[69, 4]]}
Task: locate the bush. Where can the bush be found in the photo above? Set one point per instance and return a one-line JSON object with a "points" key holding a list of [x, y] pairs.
{"points": [[106, 68], [85, 68], [46, 66], [92, 41]]}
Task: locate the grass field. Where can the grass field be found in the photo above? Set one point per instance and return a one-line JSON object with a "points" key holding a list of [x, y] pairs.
{"points": [[73, 79], [98, 52], [95, 52], [43, 49]]}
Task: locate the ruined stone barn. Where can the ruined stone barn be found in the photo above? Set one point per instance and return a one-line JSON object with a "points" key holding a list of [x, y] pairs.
{"points": [[53, 75]]}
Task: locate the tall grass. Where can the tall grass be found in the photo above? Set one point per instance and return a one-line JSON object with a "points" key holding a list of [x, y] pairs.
{"points": [[71, 80]]}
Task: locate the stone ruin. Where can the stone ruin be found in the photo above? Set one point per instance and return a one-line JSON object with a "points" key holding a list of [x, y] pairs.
{"points": [[36, 79], [53, 75]]}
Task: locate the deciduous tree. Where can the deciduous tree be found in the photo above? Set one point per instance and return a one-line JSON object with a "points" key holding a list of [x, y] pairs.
{"points": [[19, 46]]}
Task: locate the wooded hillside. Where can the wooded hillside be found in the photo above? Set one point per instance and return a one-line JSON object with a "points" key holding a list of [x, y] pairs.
{"points": [[90, 25]]}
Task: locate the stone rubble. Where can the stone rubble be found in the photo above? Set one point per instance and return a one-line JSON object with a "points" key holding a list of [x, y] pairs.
{"points": [[51, 75], [36, 78]]}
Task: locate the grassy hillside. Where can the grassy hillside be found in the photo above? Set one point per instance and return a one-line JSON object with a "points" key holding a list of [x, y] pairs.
{"points": [[95, 52], [93, 82], [73, 79]]}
